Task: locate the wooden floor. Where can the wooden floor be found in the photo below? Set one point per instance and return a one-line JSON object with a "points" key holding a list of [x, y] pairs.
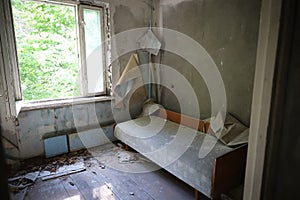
{"points": [[100, 181], [97, 183]]}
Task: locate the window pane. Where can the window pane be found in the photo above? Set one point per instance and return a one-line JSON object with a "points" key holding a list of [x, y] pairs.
{"points": [[47, 49], [93, 45]]}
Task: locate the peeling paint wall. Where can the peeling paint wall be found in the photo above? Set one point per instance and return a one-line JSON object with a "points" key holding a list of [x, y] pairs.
{"points": [[36, 125], [228, 30], [126, 15]]}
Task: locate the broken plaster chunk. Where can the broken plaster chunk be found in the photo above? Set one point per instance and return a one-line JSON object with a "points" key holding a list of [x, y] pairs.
{"points": [[32, 176], [120, 145], [126, 157], [71, 183], [102, 166]]}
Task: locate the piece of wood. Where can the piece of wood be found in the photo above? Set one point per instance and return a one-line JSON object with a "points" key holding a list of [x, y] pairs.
{"points": [[206, 126], [196, 194], [270, 21], [15, 178], [182, 119], [229, 171], [52, 176]]}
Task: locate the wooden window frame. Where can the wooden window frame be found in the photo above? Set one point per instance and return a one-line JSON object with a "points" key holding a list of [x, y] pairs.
{"points": [[103, 8]]}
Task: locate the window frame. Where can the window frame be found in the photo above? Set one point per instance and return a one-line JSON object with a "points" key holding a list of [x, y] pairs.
{"points": [[82, 49], [105, 29]]}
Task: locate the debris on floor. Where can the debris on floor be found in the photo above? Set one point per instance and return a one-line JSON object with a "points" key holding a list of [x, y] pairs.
{"points": [[129, 157], [63, 171], [18, 185], [126, 156], [75, 162], [21, 182], [120, 145], [46, 169], [102, 166]]}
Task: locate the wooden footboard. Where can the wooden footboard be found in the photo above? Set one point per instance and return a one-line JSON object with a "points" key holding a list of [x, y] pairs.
{"points": [[229, 171]]}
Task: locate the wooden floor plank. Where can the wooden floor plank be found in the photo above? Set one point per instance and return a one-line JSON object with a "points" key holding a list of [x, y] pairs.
{"points": [[162, 185], [47, 190], [91, 188], [27, 197], [124, 187], [71, 188]]}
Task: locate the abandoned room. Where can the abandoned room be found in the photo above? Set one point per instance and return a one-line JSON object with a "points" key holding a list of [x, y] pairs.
{"points": [[149, 99]]}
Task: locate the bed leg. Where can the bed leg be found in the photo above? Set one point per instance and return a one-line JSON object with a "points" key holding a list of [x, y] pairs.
{"points": [[196, 194], [126, 147]]}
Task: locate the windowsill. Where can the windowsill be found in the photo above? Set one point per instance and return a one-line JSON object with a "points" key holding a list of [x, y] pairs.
{"points": [[57, 103]]}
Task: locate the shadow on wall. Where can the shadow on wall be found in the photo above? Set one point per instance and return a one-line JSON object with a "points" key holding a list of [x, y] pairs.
{"points": [[228, 30]]}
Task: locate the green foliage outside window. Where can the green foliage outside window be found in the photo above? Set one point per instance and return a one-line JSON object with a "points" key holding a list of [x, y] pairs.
{"points": [[47, 50]]}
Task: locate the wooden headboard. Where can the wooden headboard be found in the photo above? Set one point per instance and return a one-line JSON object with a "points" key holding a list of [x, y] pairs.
{"points": [[185, 120]]}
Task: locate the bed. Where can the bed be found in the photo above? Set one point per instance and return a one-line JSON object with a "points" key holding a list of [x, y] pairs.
{"points": [[173, 142]]}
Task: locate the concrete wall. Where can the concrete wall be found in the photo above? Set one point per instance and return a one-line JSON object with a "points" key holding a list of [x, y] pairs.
{"points": [[228, 30]]}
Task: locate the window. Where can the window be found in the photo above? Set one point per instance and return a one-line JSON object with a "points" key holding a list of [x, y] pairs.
{"points": [[61, 49]]}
